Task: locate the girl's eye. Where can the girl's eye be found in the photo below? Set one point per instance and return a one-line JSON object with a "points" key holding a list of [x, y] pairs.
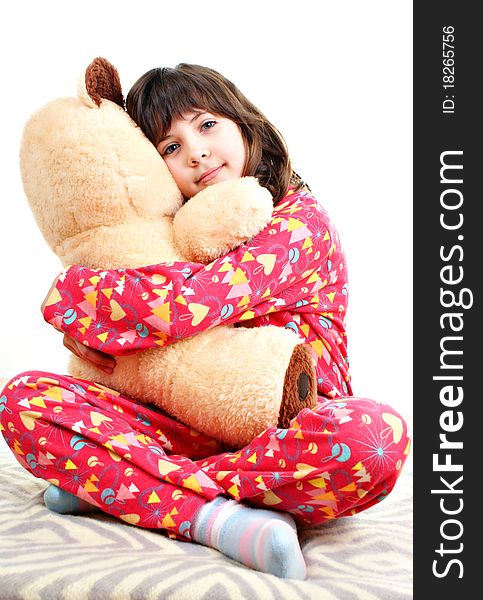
{"points": [[208, 124], [170, 149]]}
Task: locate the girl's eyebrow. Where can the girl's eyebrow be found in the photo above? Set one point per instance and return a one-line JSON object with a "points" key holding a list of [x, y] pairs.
{"points": [[197, 112]]}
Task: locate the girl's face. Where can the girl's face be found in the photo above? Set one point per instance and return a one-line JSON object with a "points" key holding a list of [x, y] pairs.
{"points": [[201, 149]]}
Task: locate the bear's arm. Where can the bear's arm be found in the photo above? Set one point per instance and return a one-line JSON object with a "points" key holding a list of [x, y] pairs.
{"points": [[221, 218]]}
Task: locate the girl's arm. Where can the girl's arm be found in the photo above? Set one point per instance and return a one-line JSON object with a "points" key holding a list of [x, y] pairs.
{"points": [[125, 310]]}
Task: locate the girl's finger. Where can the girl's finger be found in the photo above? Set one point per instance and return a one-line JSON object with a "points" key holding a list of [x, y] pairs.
{"points": [[99, 359]]}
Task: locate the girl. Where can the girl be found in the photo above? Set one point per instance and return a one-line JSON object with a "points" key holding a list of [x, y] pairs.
{"points": [[102, 450]]}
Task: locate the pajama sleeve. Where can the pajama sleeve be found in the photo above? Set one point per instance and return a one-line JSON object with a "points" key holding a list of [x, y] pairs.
{"points": [[126, 310]]}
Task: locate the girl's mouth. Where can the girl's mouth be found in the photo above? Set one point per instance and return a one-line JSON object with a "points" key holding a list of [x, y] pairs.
{"points": [[209, 175]]}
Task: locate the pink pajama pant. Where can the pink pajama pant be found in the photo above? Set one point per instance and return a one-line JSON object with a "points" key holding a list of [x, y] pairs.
{"points": [[138, 464]]}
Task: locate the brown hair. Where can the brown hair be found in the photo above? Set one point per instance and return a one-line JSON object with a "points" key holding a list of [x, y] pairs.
{"points": [[164, 94]]}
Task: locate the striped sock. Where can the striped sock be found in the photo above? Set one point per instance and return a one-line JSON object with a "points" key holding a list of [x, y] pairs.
{"points": [[59, 501], [261, 539]]}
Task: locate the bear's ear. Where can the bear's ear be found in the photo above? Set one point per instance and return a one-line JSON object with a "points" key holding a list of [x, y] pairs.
{"points": [[102, 82]]}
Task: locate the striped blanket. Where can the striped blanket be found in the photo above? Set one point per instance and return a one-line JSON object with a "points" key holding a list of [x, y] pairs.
{"points": [[48, 556]]}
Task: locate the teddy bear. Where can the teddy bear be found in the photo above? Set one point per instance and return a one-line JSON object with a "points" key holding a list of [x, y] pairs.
{"points": [[103, 197]]}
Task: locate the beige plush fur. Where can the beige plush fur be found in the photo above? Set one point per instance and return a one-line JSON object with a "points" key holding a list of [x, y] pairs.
{"points": [[103, 197]]}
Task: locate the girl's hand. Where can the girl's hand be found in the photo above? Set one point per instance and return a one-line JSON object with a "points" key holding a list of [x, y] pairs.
{"points": [[100, 360]]}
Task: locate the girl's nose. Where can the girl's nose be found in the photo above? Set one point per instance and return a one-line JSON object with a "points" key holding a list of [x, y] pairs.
{"points": [[197, 155]]}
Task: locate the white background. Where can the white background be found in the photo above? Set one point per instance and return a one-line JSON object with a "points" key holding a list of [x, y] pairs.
{"points": [[335, 78]]}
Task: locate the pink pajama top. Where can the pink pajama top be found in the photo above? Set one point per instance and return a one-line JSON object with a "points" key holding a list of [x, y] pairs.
{"points": [[293, 274]]}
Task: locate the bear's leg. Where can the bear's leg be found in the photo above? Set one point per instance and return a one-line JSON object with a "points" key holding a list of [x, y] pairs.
{"points": [[300, 386]]}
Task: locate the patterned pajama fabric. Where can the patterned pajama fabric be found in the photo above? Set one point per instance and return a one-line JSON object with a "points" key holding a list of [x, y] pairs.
{"points": [[293, 274], [140, 465], [147, 469]]}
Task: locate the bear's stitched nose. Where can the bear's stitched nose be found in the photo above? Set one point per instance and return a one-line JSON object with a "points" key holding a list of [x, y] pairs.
{"points": [[303, 385]]}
